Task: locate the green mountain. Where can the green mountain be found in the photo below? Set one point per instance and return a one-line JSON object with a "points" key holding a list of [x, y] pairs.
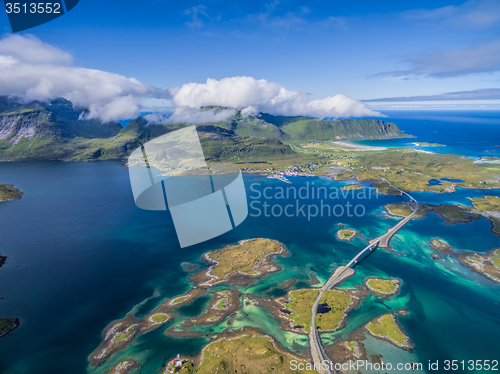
{"points": [[307, 129], [41, 130], [54, 130]]}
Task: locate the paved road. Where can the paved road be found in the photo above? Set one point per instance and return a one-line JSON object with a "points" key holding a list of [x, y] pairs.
{"points": [[317, 350]]}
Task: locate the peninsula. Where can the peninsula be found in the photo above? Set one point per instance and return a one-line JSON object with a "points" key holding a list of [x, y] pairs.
{"points": [[352, 187], [487, 265], [411, 171], [403, 210], [489, 207], [425, 144]]}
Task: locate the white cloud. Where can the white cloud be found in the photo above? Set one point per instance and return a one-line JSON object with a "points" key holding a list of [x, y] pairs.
{"points": [[461, 61], [480, 94], [195, 13], [33, 70], [199, 16], [252, 95], [480, 58], [31, 49], [473, 13], [186, 114], [440, 105]]}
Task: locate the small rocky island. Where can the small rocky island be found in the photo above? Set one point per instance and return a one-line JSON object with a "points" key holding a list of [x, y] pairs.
{"points": [[439, 245], [124, 366], [332, 309], [239, 264], [402, 210], [8, 324], [346, 234], [218, 294], [383, 287], [387, 328], [8, 192], [3, 260], [249, 258], [352, 187], [247, 353]]}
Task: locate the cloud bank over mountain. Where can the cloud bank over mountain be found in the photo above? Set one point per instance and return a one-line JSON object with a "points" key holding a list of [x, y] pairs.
{"points": [[253, 96], [33, 70], [185, 114]]}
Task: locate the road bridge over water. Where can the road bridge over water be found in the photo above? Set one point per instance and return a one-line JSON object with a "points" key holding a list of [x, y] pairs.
{"points": [[318, 353]]}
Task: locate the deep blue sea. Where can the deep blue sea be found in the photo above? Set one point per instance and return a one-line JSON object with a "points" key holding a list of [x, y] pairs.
{"points": [[467, 133], [81, 254]]}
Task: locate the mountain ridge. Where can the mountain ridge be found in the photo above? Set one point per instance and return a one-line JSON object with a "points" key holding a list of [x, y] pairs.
{"points": [[57, 130]]}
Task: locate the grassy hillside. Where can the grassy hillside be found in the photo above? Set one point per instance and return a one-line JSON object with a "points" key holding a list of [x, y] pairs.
{"points": [[57, 130], [352, 129], [248, 354], [218, 146], [307, 129]]}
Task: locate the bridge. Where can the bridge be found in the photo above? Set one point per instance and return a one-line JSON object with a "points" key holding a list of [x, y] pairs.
{"points": [[318, 353]]}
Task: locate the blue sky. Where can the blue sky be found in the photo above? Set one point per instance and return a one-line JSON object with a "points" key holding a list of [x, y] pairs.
{"points": [[363, 49]]}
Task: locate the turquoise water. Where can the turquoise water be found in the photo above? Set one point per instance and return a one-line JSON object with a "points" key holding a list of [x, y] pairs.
{"points": [[87, 256]]}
